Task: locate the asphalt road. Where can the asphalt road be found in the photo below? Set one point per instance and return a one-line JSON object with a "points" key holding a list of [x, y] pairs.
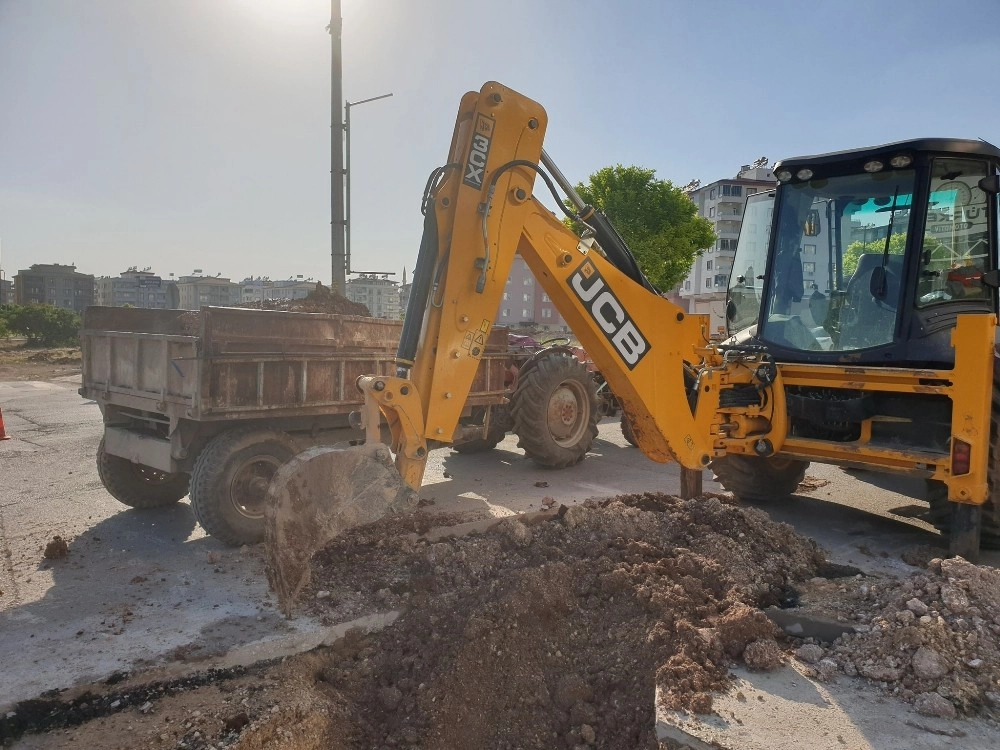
{"points": [[148, 587]]}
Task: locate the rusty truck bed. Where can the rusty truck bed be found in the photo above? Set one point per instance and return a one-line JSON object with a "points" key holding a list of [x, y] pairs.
{"points": [[224, 363]]}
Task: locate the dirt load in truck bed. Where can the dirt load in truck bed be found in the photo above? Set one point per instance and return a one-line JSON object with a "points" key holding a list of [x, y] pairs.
{"points": [[548, 631]]}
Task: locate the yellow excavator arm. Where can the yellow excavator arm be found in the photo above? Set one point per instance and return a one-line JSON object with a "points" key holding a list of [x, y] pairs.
{"points": [[480, 211]]}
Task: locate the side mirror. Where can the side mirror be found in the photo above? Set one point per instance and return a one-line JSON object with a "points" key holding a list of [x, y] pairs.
{"points": [[730, 310], [990, 184]]}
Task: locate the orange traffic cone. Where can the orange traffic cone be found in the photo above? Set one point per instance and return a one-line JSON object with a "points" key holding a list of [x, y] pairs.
{"points": [[3, 432]]}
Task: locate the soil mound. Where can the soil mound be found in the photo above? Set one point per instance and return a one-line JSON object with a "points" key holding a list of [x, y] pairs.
{"points": [[320, 300], [554, 634]]}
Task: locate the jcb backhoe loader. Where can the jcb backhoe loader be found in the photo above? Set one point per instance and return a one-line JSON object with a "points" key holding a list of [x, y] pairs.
{"points": [[865, 314]]}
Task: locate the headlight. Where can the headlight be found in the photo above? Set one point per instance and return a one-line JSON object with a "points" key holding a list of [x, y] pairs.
{"points": [[901, 160], [804, 174], [784, 175], [874, 166]]}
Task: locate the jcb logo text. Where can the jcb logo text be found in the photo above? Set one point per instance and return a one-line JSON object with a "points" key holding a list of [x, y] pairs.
{"points": [[609, 314]]}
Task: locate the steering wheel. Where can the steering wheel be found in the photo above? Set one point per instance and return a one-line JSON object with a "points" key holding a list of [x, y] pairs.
{"points": [[557, 341]]}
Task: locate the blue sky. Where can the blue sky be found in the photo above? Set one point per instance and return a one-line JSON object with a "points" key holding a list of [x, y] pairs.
{"points": [[183, 134]]}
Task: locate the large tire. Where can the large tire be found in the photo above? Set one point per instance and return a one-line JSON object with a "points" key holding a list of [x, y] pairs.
{"points": [[139, 486], [754, 478], [627, 430], [230, 479], [937, 492], [555, 410]]}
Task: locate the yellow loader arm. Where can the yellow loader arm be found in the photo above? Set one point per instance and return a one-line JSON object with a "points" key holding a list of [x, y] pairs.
{"points": [[686, 400]]}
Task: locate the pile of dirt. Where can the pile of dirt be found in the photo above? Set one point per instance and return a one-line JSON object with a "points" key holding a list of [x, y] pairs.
{"points": [[545, 631], [554, 633], [932, 639], [320, 300]]}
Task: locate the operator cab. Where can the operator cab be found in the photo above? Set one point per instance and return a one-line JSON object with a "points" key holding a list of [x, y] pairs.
{"points": [[868, 256]]}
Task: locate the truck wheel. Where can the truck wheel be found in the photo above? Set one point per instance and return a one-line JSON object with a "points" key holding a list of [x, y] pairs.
{"points": [[754, 478], [230, 479], [555, 410], [139, 486], [627, 430]]}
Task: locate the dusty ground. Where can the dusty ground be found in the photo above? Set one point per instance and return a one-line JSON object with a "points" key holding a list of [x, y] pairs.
{"points": [[553, 632], [18, 362]]}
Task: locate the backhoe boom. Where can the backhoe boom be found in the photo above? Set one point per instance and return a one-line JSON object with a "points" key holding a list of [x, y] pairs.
{"points": [[483, 212]]}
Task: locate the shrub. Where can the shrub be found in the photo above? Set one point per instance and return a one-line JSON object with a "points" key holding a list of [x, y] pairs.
{"points": [[42, 325]]}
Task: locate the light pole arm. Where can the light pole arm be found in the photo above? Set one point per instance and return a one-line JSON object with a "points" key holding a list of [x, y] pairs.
{"points": [[347, 175]]}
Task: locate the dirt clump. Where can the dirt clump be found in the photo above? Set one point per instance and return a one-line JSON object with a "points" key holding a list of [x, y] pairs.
{"points": [[56, 549], [932, 639]]}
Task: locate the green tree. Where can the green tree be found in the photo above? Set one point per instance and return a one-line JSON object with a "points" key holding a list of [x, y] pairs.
{"points": [[44, 325], [658, 221], [854, 251]]}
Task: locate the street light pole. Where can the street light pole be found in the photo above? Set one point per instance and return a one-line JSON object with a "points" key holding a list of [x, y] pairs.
{"points": [[338, 277], [347, 172]]}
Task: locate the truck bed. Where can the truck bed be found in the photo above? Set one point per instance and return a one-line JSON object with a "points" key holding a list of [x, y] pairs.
{"points": [[224, 363]]}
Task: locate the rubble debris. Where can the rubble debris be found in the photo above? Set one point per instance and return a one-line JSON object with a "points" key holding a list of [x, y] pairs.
{"points": [[56, 549], [932, 638]]}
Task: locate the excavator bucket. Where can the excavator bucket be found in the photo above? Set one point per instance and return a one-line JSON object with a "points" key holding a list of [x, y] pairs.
{"points": [[318, 495]]}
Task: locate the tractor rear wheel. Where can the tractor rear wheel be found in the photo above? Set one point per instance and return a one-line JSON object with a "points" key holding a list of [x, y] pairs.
{"points": [[139, 486], [755, 478], [555, 410]]}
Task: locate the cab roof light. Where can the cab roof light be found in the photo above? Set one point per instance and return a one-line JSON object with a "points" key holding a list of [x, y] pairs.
{"points": [[784, 175], [804, 174], [901, 160], [874, 166]]}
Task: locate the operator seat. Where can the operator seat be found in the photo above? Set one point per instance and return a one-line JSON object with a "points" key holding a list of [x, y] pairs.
{"points": [[867, 321]]}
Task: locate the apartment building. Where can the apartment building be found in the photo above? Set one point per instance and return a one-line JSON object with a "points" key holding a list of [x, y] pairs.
{"points": [[54, 284], [721, 202], [196, 291], [6, 292], [377, 292], [139, 289], [526, 304]]}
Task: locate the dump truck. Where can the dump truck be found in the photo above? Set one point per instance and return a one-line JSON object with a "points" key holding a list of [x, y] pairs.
{"points": [[211, 403]]}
